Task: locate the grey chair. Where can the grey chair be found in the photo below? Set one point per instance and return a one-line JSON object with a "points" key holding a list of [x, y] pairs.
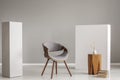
{"points": [[61, 54]]}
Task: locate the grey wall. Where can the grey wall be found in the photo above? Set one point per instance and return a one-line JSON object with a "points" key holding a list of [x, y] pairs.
{"points": [[55, 20]]}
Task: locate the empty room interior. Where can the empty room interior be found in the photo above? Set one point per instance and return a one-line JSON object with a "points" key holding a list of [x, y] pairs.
{"points": [[59, 39]]}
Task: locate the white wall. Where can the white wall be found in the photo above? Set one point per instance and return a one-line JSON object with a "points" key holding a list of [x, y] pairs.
{"points": [[56, 19]]}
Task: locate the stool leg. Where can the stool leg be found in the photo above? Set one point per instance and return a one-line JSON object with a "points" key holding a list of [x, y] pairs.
{"points": [[44, 67], [67, 68], [52, 70]]}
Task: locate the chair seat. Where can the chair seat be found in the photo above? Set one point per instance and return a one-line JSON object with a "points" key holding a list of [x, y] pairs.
{"points": [[60, 57]]}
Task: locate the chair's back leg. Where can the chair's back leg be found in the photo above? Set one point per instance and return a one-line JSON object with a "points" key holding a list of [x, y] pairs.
{"points": [[67, 68], [44, 67], [56, 67], [52, 70]]}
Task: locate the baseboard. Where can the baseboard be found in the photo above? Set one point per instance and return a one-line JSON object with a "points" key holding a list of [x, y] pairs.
{"points": [[60, 64], [49, 64], [112, 64]]}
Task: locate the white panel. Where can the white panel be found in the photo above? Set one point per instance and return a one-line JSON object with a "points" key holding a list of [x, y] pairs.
{"points": [[14, 45], [86, 35], [15, 49]]}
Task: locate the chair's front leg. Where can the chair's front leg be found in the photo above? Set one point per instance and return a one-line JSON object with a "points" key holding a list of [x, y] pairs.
{"points": [[44, 67], [67, 68]]}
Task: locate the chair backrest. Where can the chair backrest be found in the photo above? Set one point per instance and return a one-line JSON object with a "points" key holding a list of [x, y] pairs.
{"points": [[52, 46]]}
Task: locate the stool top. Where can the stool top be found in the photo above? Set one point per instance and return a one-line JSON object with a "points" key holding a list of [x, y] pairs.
{"points": [[93, 54]]}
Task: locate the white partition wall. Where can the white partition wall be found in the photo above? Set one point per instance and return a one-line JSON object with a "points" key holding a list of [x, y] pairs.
{"points": [[86, 36], [11, 49]]}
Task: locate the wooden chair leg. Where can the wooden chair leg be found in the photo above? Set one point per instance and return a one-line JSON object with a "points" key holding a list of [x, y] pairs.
{"points": [[56, 67], [44, 67], [52, 70], [67, 68]]}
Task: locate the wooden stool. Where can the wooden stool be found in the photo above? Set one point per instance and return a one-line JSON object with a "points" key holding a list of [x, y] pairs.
{"points": [[94, 63]]}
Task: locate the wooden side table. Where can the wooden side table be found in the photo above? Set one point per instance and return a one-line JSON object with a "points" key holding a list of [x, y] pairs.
{"points": [[94, 63]]}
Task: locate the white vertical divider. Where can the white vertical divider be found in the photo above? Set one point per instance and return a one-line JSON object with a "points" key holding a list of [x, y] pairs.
{"points": [[12, 49], [85, 36]]}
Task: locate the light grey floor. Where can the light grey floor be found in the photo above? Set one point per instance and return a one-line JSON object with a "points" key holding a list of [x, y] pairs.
{"points": [[34, 73]]}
